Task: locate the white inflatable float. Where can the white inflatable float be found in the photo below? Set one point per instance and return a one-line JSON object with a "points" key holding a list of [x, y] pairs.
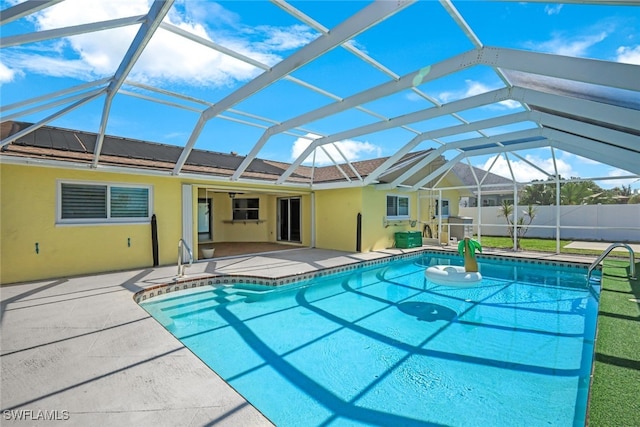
{"points": [[450, 275]]}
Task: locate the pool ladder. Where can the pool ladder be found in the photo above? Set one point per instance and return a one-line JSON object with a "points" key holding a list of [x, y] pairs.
{"points": [[632, 267], [182, 246]]}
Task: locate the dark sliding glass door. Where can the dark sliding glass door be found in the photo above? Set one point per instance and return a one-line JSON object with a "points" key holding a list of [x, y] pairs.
{"points": [[289, 219]]}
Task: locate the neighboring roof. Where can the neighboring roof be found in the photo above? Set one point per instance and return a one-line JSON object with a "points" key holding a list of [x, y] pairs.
{"points": [[75, 146], [492, 183]]}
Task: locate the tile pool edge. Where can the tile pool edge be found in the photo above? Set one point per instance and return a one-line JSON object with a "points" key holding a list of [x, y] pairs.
{"points": [[232, 279]]}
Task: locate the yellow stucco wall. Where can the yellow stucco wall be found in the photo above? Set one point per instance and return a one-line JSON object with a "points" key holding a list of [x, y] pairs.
{"points": [[379, 233], [336, 219], [28, 198], [336, 216], [28, 216], [249, 231]]}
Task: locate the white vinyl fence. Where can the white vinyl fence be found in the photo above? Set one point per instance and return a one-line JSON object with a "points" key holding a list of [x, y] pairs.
{"points": [[609, 223]]}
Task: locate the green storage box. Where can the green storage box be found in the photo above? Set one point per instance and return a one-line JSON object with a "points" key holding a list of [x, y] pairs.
{"points": [[408, 239]]}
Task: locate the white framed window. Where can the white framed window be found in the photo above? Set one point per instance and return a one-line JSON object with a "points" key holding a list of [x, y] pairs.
{"points": [[246, 209], [397, 207], [444, 212], [101, 203]]}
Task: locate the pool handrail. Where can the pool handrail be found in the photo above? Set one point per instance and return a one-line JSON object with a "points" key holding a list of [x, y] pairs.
{"points": [[182, 245], [632, 267]]}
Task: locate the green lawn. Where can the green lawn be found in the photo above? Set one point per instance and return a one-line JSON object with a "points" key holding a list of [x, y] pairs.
{"points": [[543, 245], [615, 391]]}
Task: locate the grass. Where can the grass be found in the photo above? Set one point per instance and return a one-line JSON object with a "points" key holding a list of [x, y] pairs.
{"points": [[543, 245], [615, 392]]}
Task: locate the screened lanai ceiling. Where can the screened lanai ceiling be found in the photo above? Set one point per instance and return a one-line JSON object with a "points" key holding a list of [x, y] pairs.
{"points": [[316, 82]]}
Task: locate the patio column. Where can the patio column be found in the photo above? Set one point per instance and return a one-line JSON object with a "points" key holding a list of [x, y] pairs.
{"points": [[479, 208], [439, 213], [187, 214], [515, 215], [557, 213]]}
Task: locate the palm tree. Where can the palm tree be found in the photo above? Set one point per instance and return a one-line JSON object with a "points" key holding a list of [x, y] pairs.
{"points": [[538, 194], [578, 193], [506, 211]]}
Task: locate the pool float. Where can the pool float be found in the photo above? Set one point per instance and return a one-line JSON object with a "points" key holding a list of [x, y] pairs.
{"points": [[451, 275]]}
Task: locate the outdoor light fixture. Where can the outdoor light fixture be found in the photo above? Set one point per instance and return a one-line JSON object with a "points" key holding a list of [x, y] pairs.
{"points": [[232, 195]]}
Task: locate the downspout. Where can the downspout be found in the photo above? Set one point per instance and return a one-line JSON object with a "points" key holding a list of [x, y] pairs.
{"points": [[359, 232]]}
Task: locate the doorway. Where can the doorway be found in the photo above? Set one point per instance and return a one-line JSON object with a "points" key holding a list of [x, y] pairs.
{"points": [[205, 232], [289, 220]]}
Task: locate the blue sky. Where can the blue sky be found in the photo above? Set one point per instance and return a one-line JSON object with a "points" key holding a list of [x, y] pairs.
{"points": [[420, 35]]}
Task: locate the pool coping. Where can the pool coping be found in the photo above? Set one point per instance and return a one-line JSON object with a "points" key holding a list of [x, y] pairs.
{"points": [[230, 279]]}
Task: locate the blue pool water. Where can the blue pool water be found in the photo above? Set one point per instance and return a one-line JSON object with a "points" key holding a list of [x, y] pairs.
{"points": [[384, 346]]}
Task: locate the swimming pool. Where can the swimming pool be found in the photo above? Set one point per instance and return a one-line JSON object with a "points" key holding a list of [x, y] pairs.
{"points": [[383, 346]]}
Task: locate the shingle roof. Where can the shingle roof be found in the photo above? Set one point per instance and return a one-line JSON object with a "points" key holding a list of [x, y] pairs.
{"points": [[72, 145], [491, 180]]}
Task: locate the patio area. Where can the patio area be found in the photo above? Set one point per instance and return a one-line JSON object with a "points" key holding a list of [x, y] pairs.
{"points": [[81, 351]]}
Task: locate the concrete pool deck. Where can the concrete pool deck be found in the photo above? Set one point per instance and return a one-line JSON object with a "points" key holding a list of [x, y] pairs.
{"points": [[80, 351]]}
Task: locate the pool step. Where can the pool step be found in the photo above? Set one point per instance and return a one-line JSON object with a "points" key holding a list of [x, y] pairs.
{"points": [[202, 304]]}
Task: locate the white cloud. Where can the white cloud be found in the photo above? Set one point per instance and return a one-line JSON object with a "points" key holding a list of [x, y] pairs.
{"points": [[553, 9], [285, 38], [574, 158], [7, 74], [167, 57], [577, 45], [473, 88], [56, 67], [629, 55], [523, 171], [352, 150], [634, 182]]}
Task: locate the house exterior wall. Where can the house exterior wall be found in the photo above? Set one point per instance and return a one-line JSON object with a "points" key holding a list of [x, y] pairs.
{"points": [[28, 208], [227, 231], [28, 203], [336, 216], [379, 233], [266, 230]]}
